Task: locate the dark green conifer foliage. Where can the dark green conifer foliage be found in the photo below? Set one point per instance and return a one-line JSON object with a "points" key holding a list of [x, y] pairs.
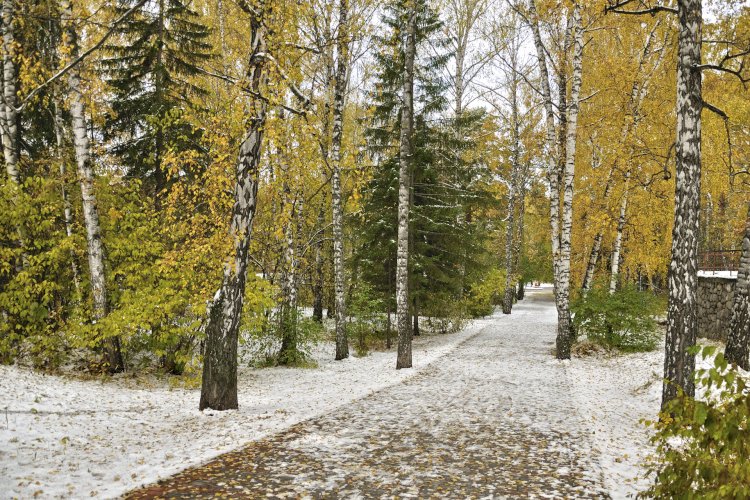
{"points": [[445, 186], [149, 71]]}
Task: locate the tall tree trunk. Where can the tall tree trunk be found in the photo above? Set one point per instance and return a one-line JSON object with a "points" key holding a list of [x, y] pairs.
{"points": [[519, 244], [9, 112], [219, 384], [550, 143], [588, 275], [564, 332], [637, 94], [10, 89], [513, 189], [95, 248], [403, 359], [319, 274], [67, 209], [679, 364], [617, 249], [738, 339], [561, 218], [288, 307], [342, 344]]}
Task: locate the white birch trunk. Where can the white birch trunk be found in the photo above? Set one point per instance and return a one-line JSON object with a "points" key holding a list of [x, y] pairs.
{"points": [[342, 344], [552, 176], [404, 358], [10, 89], [95, 248], [679, 364], [513, 188], [617, 248], [219, 383], [9, 114], [564, 332]]}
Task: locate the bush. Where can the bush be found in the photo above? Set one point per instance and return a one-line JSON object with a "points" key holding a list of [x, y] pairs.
{"points": [[486, 294], [703, 446], [365, 319], [623, 320]]}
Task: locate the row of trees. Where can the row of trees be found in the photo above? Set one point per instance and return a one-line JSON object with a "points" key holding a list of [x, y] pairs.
{"points": [[418, 153]]}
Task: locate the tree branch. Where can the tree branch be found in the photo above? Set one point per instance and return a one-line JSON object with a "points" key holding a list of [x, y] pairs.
{"points": [[643, 9], [81, 57]]}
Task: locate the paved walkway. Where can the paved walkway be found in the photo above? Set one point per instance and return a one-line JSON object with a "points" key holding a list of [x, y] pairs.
{"points": [[493, 419]]}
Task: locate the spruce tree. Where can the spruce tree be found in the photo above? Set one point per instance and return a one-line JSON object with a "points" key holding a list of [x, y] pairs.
{"points": [[447, 185], [151, 73]]}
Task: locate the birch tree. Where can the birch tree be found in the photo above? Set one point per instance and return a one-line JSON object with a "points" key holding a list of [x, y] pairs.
{"points": [[342, 43], [514, 221], [404, 359], [219, 383], [638, 91], [679, 363], [95, 248], [561, 210]]}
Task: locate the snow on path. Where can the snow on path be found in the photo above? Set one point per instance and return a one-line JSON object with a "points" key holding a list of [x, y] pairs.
{"points": [[494, 418], [614, 394], [68, 438]]}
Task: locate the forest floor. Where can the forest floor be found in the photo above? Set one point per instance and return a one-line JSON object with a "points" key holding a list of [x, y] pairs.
{"points": [[486, 412]]}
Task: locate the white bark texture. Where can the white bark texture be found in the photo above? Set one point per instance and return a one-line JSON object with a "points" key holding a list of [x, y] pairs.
{"points": [[219, 384], [679, 364], [513, 188], [738, 339], [564, 332], [10, 89], [404, 358], [617, 248], [550, 136], [342, 344], [637, 94], [81, 146], [9, 113]]}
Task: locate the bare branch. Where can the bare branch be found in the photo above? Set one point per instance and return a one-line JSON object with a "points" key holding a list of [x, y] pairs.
{"points": [[642, 9]]}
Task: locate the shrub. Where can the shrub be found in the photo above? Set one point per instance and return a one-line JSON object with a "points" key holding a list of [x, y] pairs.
{"points": [[623, 320], [703, 446], [365, 320], [486, 294]]}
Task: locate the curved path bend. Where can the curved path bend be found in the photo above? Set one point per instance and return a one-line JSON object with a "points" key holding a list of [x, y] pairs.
{"points": [[492, 419]]}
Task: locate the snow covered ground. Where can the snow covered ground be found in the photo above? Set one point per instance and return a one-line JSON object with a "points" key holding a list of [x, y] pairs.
{"points": [[613, 393], [718, 274], [65, 437], [62, 437]]}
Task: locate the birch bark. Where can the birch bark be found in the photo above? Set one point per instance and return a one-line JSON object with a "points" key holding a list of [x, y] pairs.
{"points": [[95, 248], [617, 248], [342, 344], [404, 358], [67, 208], [564, 333], [219, 383], [679, 364], [513, 188]]}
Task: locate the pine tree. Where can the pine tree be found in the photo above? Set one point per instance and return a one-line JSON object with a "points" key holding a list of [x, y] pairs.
{"points": [[446, 242], [151, 73]]}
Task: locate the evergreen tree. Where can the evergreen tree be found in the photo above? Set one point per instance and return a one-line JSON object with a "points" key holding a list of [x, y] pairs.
{"points": [[446, 184], [151, 74]]}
